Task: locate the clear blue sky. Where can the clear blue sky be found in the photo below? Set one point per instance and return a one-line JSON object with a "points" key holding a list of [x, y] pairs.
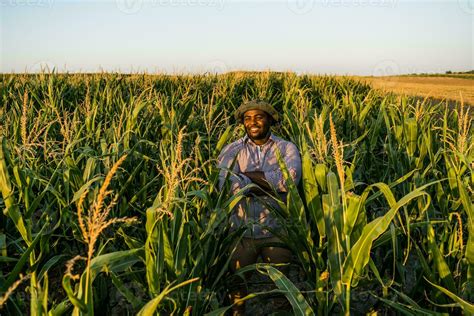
{"points": [[364, 37]]}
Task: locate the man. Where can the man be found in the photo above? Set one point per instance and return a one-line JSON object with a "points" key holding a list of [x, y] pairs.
{"points": [[256, 162]]}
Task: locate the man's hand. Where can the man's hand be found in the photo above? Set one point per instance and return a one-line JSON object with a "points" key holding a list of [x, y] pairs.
{"points": [[258, 177]]}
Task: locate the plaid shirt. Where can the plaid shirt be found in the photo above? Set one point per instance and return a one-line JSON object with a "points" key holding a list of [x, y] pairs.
{"points": [[251, 157]]}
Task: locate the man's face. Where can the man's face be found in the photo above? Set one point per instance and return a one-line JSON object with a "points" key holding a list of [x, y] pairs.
{"points": [[257, 125]]}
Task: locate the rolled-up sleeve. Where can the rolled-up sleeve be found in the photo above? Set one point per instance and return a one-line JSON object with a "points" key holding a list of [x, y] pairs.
{"points": [[225, 162], [292, 159]]}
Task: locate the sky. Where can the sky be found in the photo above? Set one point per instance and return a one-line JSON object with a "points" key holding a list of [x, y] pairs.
{"points": [[345, 37]]}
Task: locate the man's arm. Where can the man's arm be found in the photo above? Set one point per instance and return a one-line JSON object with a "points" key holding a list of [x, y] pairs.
{"points": [[292, 159], [229, 168], [258, 177]]}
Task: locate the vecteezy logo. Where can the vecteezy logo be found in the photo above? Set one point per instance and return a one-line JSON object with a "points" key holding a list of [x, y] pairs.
{"points": [[467, 6], [220, 4], [216, 67], [386, 68], [300, 6], [42, 67], [129, 6], [27, 3]]}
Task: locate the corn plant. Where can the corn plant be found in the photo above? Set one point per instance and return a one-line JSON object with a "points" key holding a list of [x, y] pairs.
{"points": [[383, 218]]}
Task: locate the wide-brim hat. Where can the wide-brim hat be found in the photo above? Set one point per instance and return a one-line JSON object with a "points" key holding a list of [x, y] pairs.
{"points": [[256, 105]]}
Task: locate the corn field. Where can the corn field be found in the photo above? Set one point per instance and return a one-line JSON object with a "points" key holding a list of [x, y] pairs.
{"points": [[110, 199]]}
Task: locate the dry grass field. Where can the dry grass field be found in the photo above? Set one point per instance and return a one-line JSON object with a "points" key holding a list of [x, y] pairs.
{"points": [[440, 88]]}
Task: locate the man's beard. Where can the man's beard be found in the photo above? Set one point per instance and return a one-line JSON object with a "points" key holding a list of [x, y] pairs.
{"points": [[260, 136]]}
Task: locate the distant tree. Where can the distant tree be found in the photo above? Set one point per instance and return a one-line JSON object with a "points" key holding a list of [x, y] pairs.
{"points": [[449, 72]]}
